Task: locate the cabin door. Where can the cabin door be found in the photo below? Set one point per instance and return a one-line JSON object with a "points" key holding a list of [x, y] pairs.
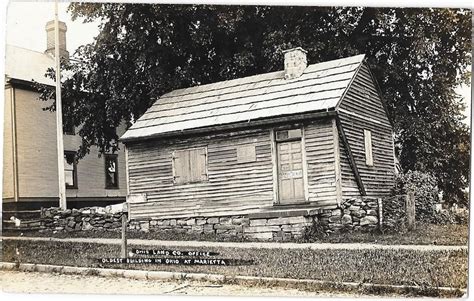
{"points": [[290, 170]]}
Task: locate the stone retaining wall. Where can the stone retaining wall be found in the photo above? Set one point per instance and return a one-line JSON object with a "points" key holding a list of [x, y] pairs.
{"points": [[93, 218], [277, 225]]}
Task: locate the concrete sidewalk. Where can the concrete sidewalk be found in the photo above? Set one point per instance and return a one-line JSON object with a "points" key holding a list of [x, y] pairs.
{"points": [[244, 245]]}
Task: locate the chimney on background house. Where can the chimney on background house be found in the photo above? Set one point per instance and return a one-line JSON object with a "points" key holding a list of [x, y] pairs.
{"points": [[295, 62], [63, 53]]}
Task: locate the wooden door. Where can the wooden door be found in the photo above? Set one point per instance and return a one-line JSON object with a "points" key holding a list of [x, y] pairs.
{"points": [[290, 172]]}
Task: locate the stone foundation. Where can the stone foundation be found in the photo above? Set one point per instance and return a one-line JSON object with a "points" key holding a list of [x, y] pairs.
{"points": [[275, 225], [353, 215]]}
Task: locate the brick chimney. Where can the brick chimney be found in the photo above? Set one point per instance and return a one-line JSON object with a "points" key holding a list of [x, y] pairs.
{"points": [[295, 62], [63, 53]]}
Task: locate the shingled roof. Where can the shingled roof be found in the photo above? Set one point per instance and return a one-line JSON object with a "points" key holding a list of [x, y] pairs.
{"points": [[320, 87]]}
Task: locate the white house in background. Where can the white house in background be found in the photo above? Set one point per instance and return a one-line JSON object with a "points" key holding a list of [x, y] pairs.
{"points": [[30, 172]]}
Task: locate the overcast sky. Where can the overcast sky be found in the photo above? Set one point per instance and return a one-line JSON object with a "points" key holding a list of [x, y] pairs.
{"points": [[25, 26]]}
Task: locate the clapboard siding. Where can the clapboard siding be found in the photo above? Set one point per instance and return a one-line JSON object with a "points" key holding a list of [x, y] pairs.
{"points": [[8, 166], [231, 186], [319, 145], [362, 109], [37, 156]]}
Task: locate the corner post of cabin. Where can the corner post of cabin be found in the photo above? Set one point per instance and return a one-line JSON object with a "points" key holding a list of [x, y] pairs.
{"points": [[337, 163], [127, 177], [274, 166], [305, 164]]}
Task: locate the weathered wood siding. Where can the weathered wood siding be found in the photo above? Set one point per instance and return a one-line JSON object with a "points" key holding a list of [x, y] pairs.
{"points": [[231, 187], [362, 109], [319, 145]]}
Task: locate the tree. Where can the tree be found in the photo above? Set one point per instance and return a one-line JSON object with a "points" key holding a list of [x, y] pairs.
{"points": [[418, 56]]}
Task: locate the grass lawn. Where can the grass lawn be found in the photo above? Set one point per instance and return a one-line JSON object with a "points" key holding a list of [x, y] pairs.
{"points": [[425, 234], [379, 266]]}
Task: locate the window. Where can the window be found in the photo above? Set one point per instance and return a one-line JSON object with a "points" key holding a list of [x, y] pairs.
{"points": [[369, 159], [70, 169], [284, 135], [190, 166], [111, 171]]}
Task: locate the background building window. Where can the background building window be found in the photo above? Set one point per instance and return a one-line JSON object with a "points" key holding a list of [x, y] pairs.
{"points": [[70, 169], [190, 166], [111, 171]]}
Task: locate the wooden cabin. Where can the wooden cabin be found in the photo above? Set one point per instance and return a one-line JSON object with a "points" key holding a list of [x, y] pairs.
{"points": [[309, 136]]}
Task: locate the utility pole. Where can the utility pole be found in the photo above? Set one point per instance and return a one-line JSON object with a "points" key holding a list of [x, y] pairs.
{"points": [[59, 113]]}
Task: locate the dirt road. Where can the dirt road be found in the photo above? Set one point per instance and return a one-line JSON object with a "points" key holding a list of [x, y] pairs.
{"points": [[32, 282]]}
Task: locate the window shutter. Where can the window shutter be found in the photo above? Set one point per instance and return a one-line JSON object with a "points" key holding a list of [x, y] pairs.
{"points": [[369, 160], [190, 165], [202, 163], [180, 166]]}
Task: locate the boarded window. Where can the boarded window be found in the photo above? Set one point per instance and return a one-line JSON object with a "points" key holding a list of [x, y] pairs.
{"points": [[246, 153], [369, 159], [190, 166]]}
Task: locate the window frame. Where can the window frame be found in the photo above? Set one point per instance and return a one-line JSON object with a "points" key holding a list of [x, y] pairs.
{"points": [[115, 157], [368, 148], [74, 170], [206, 166]]}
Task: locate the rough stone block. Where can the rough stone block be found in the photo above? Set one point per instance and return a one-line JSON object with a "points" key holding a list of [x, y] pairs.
{"points": [[296, 220], [213, 220], [346, 219], [191, 222], [354, 208], [372, 212], [260, 235], [208, 228], [368, 220], [358, 214], [224, 227], [145, 226], [200, 221], [277, 221], [258, 222], [336, 226], [197, 228], [225, 220], [257, 229]]}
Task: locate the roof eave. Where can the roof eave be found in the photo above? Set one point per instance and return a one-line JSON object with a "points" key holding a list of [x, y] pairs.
{"points": [[237, 125]]}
